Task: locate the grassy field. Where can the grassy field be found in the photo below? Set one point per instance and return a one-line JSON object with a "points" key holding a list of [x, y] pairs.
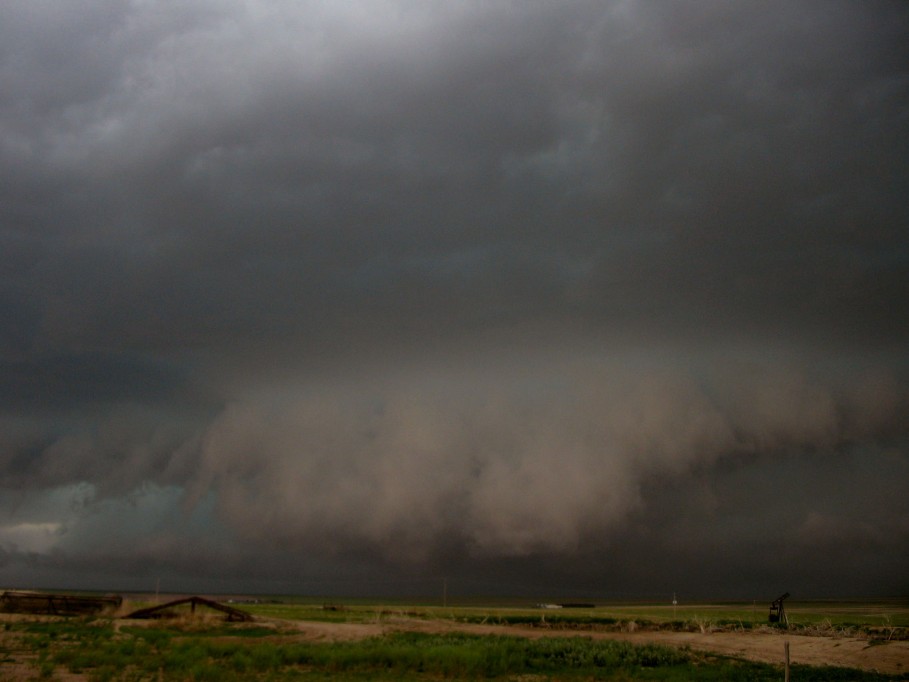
{"points": [[103, 653], [894, 613], [206, 648]]}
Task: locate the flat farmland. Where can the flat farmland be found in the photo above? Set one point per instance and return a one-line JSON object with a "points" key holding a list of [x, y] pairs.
{"points": [[303, 639], [843, 614]]}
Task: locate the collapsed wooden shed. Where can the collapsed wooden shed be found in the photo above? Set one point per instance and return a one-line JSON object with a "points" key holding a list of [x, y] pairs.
{"points": [[166, 610], [57, 604]]}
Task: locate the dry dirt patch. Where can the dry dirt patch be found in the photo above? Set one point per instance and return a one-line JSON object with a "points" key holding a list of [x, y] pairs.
{"points": [[887, 657], [766, 647], [18, 663], [850, 652]]}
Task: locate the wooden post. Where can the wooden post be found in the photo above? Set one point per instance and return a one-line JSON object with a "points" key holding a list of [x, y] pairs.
{"points": [[786, 649]]}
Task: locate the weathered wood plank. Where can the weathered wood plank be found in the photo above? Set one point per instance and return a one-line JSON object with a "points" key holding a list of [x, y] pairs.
{"points": [[57, 604]]}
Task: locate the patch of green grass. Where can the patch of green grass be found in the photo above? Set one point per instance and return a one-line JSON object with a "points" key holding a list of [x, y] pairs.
{"points": [[411, 656], [741, 615], [213, 650]]}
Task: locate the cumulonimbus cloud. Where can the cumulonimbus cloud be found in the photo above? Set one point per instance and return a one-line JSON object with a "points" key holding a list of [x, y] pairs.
{"points": [[534, 465]]}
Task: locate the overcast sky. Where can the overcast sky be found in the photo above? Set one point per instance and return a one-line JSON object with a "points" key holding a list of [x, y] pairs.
{"points": [[600, 299]]}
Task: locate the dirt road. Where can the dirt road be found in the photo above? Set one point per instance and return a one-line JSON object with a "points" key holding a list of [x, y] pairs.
{"points": [[850, 652], [766, 647]]}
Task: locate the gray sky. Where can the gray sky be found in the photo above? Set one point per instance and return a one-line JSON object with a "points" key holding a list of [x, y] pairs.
{"points": [[551, 298]]}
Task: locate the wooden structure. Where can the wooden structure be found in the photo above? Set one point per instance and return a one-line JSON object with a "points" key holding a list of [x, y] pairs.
{"points": [[163, 610], [778, 611], [57, 604]]}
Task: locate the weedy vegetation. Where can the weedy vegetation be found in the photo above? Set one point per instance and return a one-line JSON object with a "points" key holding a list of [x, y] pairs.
{"points": [[887, 619], [193, 648], [101, 652]]}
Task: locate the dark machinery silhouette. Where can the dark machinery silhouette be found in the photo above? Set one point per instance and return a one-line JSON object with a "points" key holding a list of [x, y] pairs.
{"points": [[778, 611]]}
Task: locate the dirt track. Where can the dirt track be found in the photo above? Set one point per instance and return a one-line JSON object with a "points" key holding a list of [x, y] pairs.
{"points": [[884, 657], [767, 647]]}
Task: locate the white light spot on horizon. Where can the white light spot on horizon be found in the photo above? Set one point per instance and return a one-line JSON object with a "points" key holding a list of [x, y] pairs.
{"points": [[37, 538]]}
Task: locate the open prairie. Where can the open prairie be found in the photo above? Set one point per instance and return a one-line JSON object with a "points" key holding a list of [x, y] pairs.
{"points": [[299, 639], [864, 635]]}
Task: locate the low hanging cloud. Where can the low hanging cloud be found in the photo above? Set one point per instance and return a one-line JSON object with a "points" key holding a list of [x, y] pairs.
{"points": [[497, 469], [425, 468], [452, 286]]}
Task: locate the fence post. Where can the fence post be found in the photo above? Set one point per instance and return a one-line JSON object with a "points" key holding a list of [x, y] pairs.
{"points": [[786, 649]]}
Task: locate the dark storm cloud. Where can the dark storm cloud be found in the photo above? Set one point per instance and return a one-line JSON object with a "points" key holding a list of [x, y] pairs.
{"points": [[402, 283], [520, 471], [468, 166]]}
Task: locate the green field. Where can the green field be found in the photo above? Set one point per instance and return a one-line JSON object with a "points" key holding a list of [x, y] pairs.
{"points": [[203, 647], [95, 649], [892, 613]]}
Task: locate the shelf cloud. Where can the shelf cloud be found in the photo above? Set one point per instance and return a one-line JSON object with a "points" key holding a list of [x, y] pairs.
{"points": [[591, 298]]}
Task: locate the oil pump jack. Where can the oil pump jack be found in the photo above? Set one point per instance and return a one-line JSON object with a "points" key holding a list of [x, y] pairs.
{"points": [[778, 611]]}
